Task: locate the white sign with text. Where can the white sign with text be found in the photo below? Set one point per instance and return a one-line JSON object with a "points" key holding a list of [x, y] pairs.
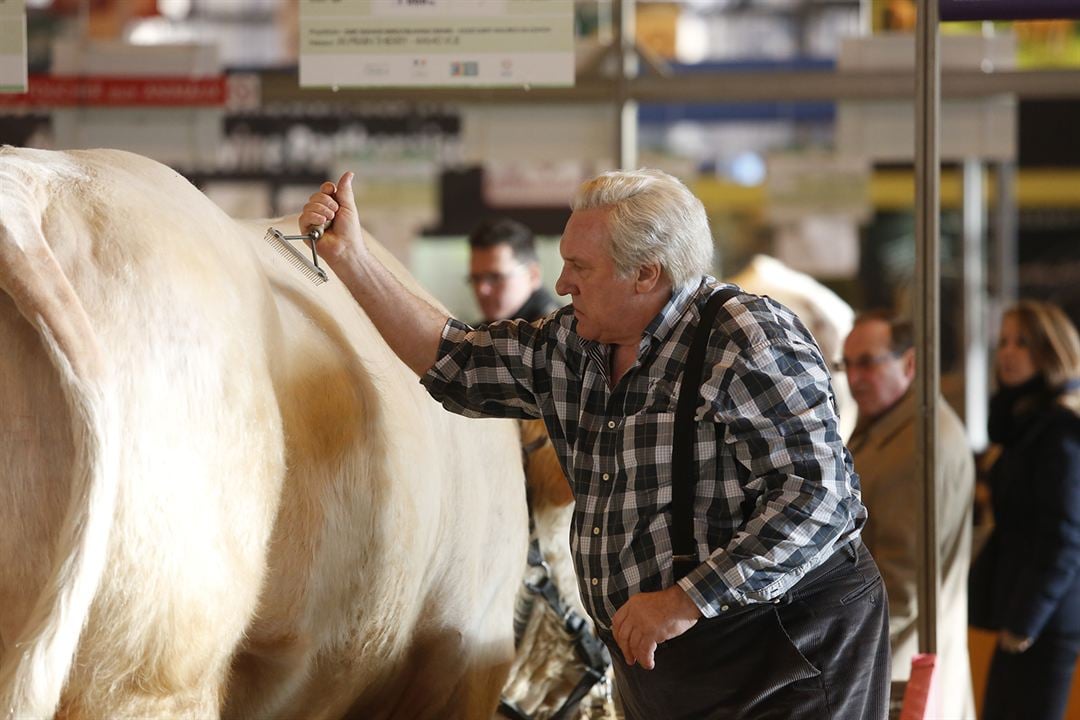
{"points": [[429, 43]]}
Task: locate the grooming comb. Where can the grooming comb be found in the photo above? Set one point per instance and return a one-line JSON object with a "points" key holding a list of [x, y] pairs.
{"points": [[283, 244]]}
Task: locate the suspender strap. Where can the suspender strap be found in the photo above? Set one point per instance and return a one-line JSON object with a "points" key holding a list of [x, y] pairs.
{"points": [[684, 465]]}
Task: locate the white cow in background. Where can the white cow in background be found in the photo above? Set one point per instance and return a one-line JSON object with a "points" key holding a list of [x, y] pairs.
{"points": [[220, 493], [823, 312]]}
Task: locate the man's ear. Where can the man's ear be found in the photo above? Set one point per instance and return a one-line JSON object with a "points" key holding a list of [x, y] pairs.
{"points": [[649, 276], [908, 361], [535, 276]]}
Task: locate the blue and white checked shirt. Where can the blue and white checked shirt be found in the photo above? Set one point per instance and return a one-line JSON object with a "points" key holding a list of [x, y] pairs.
{"points": [[776, 491]]}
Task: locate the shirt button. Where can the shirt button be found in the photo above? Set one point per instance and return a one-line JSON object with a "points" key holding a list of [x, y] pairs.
{"points": [[595, 581], [723, 608], [611, 423], [596, 531], [606, 476]]}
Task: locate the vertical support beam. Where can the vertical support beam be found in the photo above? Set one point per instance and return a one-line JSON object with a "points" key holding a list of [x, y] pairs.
{"points": [[626, 68], [976, 331], [1006, 259], [927, 307], [866, 17]]}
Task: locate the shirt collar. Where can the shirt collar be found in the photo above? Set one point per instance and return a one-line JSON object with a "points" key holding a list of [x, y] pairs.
{"points": [[673, 310]]}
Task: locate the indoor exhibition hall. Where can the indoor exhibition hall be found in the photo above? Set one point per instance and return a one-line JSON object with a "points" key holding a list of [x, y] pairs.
{"points": [[539, 359]]}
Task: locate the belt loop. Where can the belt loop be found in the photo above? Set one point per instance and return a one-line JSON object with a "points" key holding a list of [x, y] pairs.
{"points": [[853, 549]]}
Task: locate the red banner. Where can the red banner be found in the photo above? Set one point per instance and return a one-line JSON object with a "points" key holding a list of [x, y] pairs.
{"points": [[75, 91]]}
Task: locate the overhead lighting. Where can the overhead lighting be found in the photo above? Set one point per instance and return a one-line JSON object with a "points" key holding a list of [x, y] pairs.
{"points": [[174, 9], [692, 39], [748, 169], [159, 31]]}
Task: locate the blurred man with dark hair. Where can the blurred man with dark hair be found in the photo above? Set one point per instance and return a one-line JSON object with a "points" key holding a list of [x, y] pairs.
{"points": [[504, 272], [879, 357]]}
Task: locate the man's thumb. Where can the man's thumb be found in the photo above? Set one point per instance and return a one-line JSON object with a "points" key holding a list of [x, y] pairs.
{"points": [[344, 194]]}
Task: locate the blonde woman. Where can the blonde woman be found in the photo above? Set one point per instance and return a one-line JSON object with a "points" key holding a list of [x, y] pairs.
{"points": [[1026, 583]]}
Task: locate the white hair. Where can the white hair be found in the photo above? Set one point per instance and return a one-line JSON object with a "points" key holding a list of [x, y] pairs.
{"points": [[654, 218]]}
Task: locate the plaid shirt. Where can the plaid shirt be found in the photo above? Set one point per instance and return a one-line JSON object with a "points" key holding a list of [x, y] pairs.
{"points": [[776, 491]]}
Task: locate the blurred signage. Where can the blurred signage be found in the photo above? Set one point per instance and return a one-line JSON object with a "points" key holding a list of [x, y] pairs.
{"points": [[50, 91], [799, 185], [882, 130], [815, 201], [426, 43], [12, 46], [164, 101], [1009, 9], [511, 183]]}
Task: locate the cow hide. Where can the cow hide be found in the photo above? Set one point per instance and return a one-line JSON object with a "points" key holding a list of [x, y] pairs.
{"points": [[220, 492]]}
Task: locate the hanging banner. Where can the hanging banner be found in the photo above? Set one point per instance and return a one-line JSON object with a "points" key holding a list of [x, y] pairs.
{"points": [[1009, 9], [12, 46], [104, 91], [425, 43], [163, 101]]}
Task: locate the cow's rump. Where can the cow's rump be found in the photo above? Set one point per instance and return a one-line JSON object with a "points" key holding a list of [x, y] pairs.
{"points": [[222, 472]]}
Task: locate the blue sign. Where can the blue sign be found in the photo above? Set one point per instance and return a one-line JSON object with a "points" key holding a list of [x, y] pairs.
{"points": [[1009, 9]]}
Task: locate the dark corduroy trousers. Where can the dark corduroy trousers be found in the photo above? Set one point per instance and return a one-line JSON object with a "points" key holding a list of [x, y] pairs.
{"points": [[820, 653]]}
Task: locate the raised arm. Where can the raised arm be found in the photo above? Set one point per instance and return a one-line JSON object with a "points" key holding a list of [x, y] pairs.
{"points": [[409, 324]]}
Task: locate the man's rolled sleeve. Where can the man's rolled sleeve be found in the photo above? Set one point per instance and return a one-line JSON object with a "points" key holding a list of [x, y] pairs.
{"points": [[488, 371], [775, 401]]}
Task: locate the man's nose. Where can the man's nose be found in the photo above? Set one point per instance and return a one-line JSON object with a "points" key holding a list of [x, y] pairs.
{"points": [[855, 374], [562, 287]]}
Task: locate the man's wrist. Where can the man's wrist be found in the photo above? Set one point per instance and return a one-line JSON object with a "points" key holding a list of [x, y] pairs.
{"points": [[685, 607]]}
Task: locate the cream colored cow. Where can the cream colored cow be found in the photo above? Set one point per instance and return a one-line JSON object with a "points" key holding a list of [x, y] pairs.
{"points": [[220, 493]]}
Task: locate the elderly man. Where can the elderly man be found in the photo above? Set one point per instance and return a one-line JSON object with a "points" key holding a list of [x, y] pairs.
{"points": [[880, 363], [776, 610], [504, 272]]}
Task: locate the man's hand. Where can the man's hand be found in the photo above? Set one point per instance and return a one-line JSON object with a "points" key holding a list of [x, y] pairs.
{"points": [[648, 619], [1012, 643], [334, 203]]}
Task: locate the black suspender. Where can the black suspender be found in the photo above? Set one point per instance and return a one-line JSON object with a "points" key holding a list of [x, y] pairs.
{"points": [[684, 466]]}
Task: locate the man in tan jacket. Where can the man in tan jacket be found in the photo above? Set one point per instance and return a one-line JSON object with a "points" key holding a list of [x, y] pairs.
{"points": [[880, 361]]}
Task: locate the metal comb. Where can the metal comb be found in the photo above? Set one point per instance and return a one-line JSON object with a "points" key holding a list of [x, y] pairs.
{"points": [[283, 244]]}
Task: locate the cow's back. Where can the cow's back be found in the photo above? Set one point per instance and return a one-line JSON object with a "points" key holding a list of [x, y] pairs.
{"points": [[267, 443], [197, 458]]}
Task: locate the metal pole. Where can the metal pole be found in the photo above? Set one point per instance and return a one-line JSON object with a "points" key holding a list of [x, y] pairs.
{"points": [[927, 303], [866, 17], [626, 68], [976, 332], [1005, 238]]}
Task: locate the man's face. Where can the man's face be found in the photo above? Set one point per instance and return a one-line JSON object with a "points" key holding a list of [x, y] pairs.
{"points": [[501, 282], [600, 297], [877, 377]]}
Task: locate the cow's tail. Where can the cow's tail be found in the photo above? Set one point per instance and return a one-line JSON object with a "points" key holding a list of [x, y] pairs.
{"points": [[36, 668]]}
